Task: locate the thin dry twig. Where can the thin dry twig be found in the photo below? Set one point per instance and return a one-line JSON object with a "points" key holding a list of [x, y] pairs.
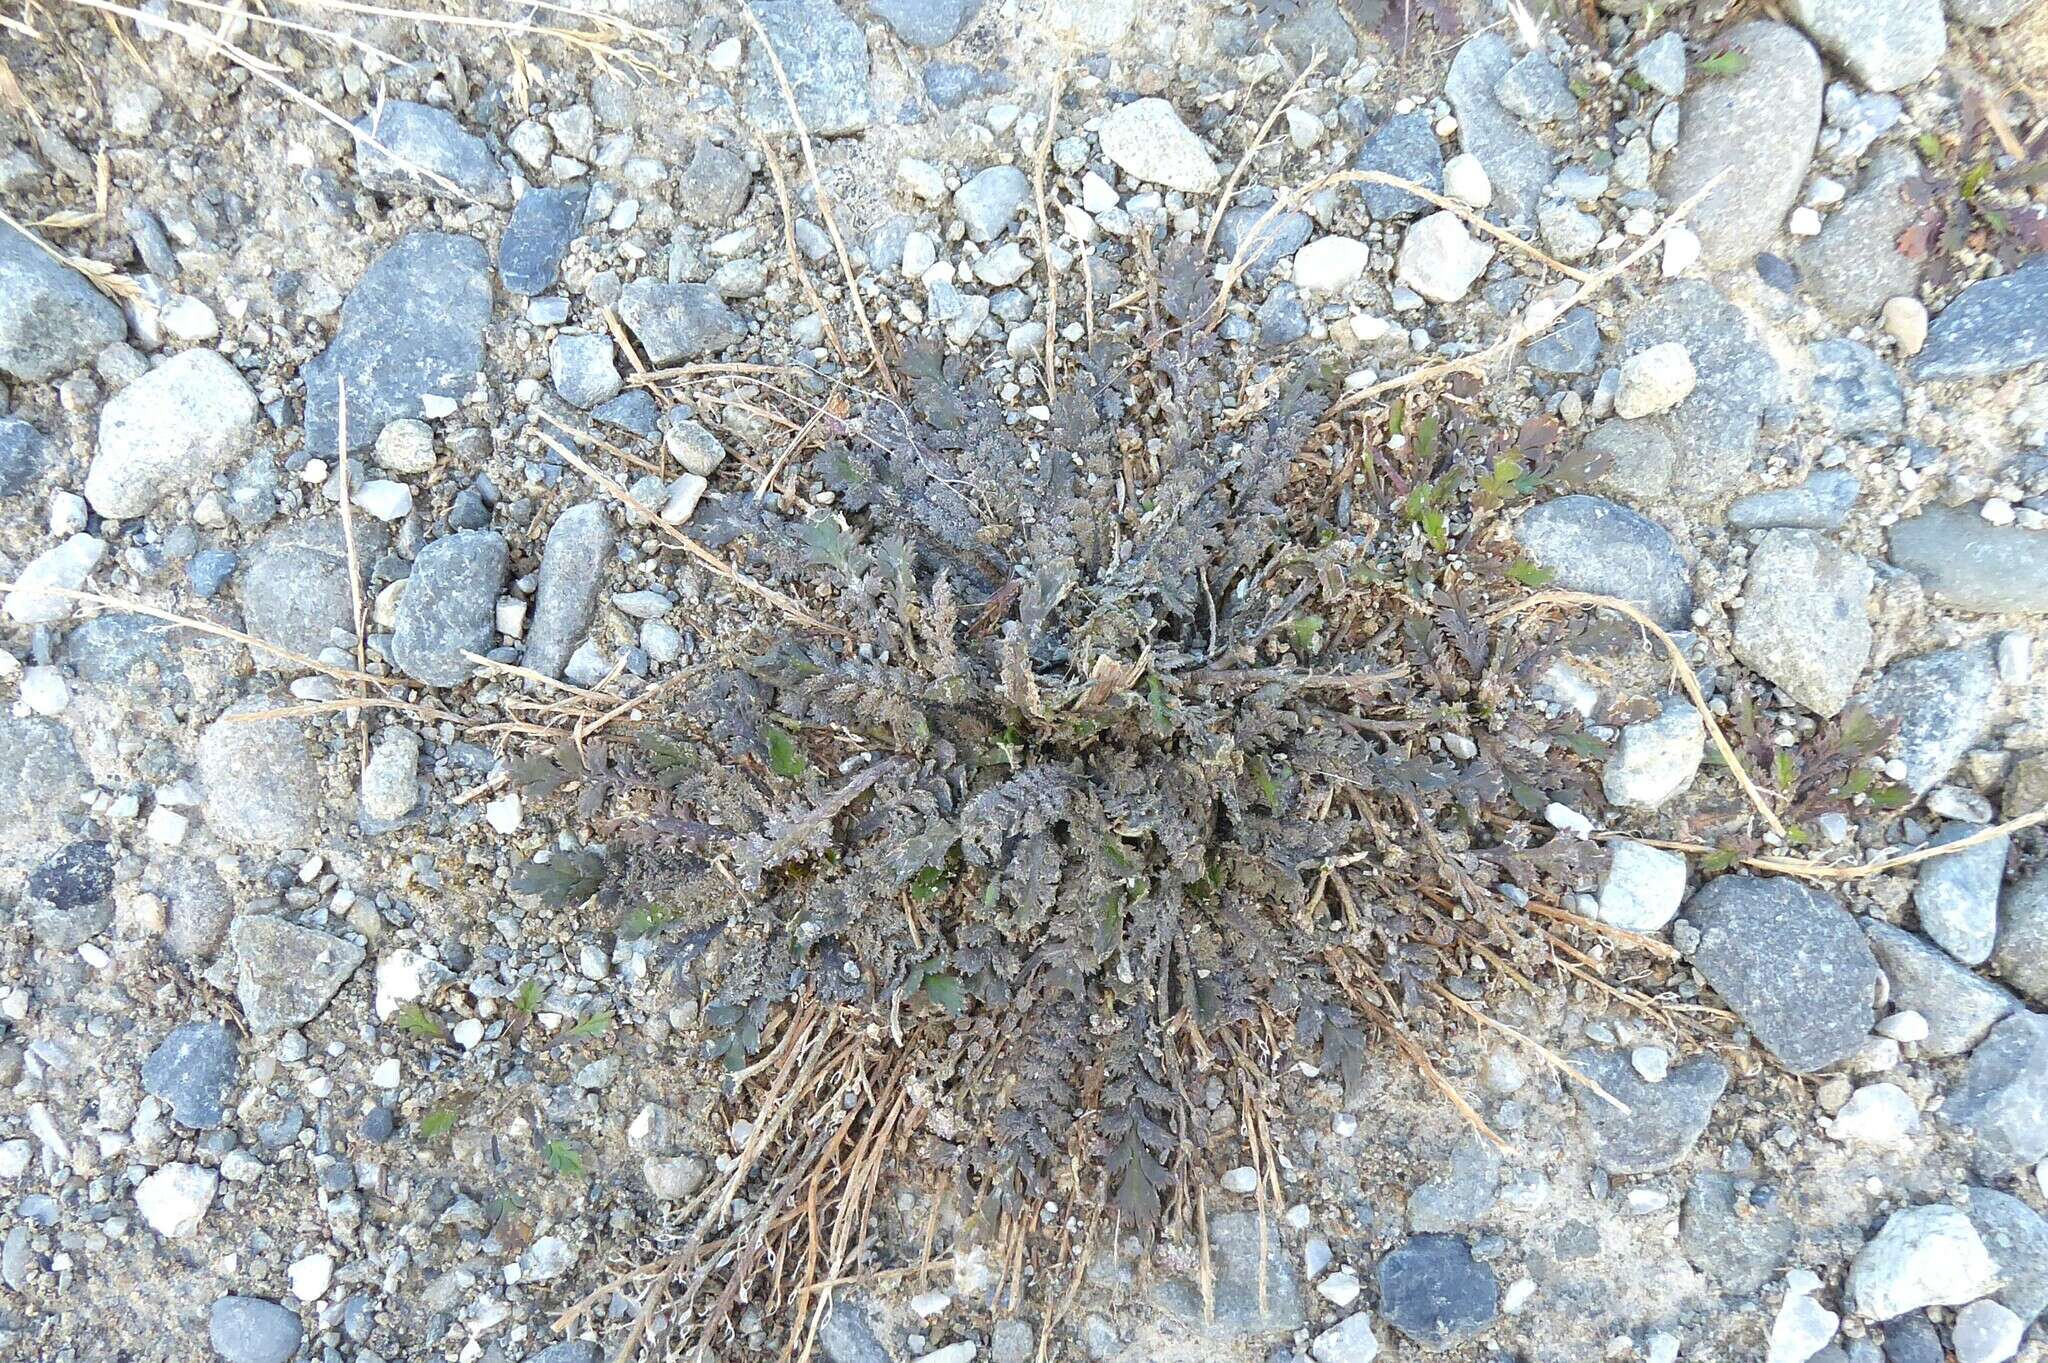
{"points": [[1052, 296], [1550, 1057], [1251, 149]]}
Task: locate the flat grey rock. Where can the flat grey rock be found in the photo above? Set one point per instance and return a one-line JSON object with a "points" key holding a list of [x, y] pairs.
{"points": [[1886, 44], [1714, 429], [572, 568], [41, 775], [1406, 146], [450, 606], [52, 320], [1280, 237], [714, 188], [845, 1336], [1535, 91], [1433, 1291], [2002, 1096], [23, 455], [295, 586], [678, 322], [1993, 327], [1961, 1007], [1570, 347], [285, 974], [261, 779], [193, 1070], [412, 328], [1822, 502], [1969, 562], [2018, 1240], [569, 1351], [1664, 1120], [1957, 895], [990, 200], [1805, 617], [1634, 461], [824, 55], [925, 23], [418, 138], [2022, 956], [1740, 1237], [1855, 392], [1791, 963], [1756, 127], [1854, 266], [544, 224], [1515, 160], [1942, 702], [1594, 545], [253, 1330], [1463, 1193]]}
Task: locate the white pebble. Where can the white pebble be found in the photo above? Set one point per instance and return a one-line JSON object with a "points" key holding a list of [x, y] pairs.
{"points": [[1243, 1179], [1804, 222], [309, 1277], [503, 813], [1565, 819], [1465, 180]]}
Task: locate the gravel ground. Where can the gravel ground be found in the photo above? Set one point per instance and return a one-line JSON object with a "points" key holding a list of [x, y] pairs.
{"points": [[292, 1070]]}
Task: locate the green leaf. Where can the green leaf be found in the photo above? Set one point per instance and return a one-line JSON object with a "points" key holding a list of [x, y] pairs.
{"points": [[1529, 575], [1425, 440], [784, 757], [1784, 770], [1438, 529], [417, 1021], [646, 921], [563, 1158], [1890, 797], [437, 1123], [1727, 63], [597, 1024], [946, 991], [1973, 179], [1930, 147], [529, 996], [1719, 860], [1304, 629], [928, 884]]}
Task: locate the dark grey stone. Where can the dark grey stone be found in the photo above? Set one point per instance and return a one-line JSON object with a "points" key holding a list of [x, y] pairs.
{"points": [[1570, 347], [1912, 1338], [2018, 1240], [1969, 562], [1791, 963], [714, 187], [845, 1336], [1854, 391], [824, 55], [544, 223], [2002, 1097], [951, 84], [380, 1124], [572, 568], [1957, 895], [1942, 702], [1433, 1291], [632, 411], [193, 1070], [1714, 429], [1854, 266], [1822, 502], [1959, 1005], [1594, 545], [52, 320], [1281, 318], [23, 453], [424, 139], [570, 1351], [41, 775], [295, 591], [1993, 327], [1316, 27], [1776, 271], [1664, 1120], [78, 877], [1756, 128], [209, 571], [450, 606], [1405, 146], [678, 322], [1739, 1239], [412, 327], [1515, 160], [2022, 956], [1235, 1247], [253, 1330], [1279, 238], [925, 23]]}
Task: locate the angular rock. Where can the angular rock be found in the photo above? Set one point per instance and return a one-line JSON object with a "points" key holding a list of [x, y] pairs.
{"points": [[1942, 702], [391, 777], [1570, 347], [1854, 266], [169, 432], [2002, 1097], [1886, 44], [991, 200], [401, 145], [1714, 429], [1147, 140], [41, 775], [572, 567], [52, 320], [23, 455], [678, 322], [1433, 1291], [79, 877], [1440, 259], [1759, 125], [1596, 546], [1960, 1007], [1664, 1120], [1634, 461], [714, 187], [262, 782], [1405, 146], [1643, 887], [36, 598], [174, 1199], [1265, 246], [824, 57], [1805, 618], [1656, 758], [1330, 264], [2017, 1239], [1535, 91], [1993, 327], [1791, 963], [1957, 895], [1855, 392], [2022, 956], [544, 224], [1740, 1239], [925, 23], [1969, 562], [1822, 502], [412, 329], [193, 1070], [1923, 1256], [1515, 160], [253, 1330], [450, 606], [1463, 1193], [582, 369], [1350, 1340], [295, 587], [1235, 1247], [845, 1336], [285, 975]]}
